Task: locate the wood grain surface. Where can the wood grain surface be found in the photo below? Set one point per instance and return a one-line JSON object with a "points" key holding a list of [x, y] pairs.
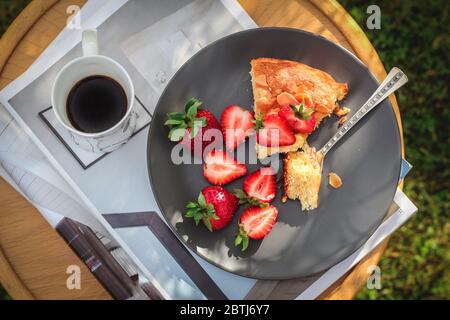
{"points": [[33, 258]]}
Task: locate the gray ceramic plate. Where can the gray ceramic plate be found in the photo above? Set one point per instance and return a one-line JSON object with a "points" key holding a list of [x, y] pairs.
{"points": [[368, 159]]}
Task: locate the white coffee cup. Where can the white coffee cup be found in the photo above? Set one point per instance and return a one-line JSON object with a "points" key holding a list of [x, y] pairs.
{"points": [[93, 64]]}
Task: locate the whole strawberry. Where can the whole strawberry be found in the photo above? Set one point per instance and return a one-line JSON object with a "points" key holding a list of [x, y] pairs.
{"points": [[189, 127], [215, 207]]}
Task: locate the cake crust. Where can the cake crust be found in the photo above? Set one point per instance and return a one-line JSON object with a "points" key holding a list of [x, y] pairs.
{"points": [[271, 77]]}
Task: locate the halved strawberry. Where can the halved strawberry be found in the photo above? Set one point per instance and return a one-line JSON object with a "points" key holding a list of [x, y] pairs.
{"points": [[255, 223], [237, 124], [190, 126], [220, 168], [215, 207], [300, 118], [261, 184], [274, 131]]}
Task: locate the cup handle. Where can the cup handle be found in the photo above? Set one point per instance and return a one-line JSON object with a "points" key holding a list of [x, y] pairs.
{"points": [[89, 42]]}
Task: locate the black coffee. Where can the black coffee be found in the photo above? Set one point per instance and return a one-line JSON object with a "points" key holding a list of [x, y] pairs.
{"points": [[96, 104]]}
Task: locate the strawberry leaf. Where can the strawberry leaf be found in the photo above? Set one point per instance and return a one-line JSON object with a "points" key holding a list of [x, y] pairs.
{"points": [[197, 219], [171, 122], [194, 212], [191, 205], [176, 115], [192, 102], [258, 123], [247, 201], [210, 211], [244, 243], [189, 214], [201, 121], [207, 223], [301, 107], [194, 131], [201, 200], [192, 112], [201, 211], [237, 240], [301, 111], [187, 119], [240, 194], [176, 134], [241, 238]]}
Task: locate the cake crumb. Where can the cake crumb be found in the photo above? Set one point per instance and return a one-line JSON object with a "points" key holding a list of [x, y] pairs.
{"points": [[334, 180], [342, 121], [340, 112]]}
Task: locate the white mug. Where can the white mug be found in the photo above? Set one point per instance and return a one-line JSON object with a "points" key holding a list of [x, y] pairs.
{"points": [[92, 64]]}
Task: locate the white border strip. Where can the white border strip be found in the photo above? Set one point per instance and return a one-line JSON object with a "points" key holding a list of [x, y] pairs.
{"points": [[405, 211]]}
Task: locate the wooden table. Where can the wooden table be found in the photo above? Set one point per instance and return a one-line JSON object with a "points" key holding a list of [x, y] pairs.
{"points": [[33, 258]]}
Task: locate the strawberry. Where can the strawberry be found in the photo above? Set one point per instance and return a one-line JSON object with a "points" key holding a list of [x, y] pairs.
{"points": [[274, 131], [255, 223], [215, 207], [300, 118], [190, 126], [220, 168], [237, 124], [261, 184]]}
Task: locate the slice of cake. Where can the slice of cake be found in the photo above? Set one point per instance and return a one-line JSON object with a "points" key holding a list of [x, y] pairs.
{"points": [[273, 77], [302, 176]]}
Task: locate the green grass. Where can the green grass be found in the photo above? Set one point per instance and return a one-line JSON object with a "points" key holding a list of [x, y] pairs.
{"points": [[9, 9], [414, 36]]}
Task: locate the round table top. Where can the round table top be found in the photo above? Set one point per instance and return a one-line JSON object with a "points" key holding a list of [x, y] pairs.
{"points": [[33, 258]]}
